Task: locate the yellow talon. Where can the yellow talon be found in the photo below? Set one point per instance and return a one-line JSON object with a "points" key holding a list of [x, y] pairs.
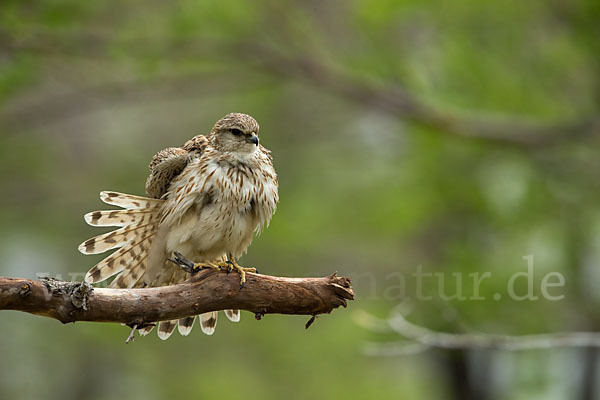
{"points": [[222, 265], [242, 271], [217, 266]]}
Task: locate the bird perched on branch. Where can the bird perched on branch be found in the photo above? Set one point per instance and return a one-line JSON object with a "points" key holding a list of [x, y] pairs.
{"points": [[205, 200]]}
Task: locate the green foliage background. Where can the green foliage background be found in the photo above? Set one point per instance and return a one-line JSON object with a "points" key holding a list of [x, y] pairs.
{"points": [[90, 90]]}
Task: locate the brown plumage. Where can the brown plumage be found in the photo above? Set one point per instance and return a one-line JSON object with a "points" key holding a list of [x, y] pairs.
{"points": [[205, 200]]}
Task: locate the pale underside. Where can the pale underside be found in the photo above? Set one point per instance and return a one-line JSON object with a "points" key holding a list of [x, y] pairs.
{"points": [[212, 210]]}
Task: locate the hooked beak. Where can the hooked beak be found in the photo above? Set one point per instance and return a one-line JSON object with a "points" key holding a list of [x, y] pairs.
{"points": [[253, 139]]}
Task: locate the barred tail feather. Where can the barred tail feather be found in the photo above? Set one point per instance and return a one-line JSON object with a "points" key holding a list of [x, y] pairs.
{"points": [[120, 217], [185, 325], [131, 276], [117, 238], [208, 322], [138, 225], [166, 328], [130, 201], [119, 260], [146, 330], [233, 315]]}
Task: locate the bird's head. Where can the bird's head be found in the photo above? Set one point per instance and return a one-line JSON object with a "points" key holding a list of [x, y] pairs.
{"points": [[236, 133]]}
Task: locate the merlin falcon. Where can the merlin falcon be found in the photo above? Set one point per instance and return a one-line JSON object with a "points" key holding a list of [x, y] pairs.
{"points": [[205, 200]]}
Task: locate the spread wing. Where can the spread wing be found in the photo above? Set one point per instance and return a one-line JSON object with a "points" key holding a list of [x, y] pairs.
{"points": [[168, 163]]}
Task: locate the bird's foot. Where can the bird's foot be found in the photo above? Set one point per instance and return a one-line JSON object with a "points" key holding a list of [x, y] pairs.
{"points": [[193, 268], [216, 266], [183, 263], [240, 270]]}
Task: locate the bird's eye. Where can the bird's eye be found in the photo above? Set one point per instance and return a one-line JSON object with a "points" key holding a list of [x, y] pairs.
{"points": [[236, 132]]}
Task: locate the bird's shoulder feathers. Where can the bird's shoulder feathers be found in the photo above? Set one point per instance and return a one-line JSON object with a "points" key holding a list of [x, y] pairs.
{"points": [[168, 163]]}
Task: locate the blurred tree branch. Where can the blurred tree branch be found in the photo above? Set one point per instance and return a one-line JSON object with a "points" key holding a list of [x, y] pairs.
{"points": [[77, 102], [385, 97], [204, 292], [421, 338], [400, 103]]}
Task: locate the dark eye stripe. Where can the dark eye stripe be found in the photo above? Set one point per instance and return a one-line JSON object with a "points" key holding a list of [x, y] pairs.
{"points": [[236, 132]]}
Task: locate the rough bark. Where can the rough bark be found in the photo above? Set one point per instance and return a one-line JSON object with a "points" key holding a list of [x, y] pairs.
{"points": [[206, 291]]}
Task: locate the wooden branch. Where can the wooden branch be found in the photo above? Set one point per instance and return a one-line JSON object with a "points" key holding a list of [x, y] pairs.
{"points": [[204, 292], [421, 338]]}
